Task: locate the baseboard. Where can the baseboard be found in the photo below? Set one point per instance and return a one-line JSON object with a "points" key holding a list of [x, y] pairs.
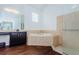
{"points": [[36, 45]]}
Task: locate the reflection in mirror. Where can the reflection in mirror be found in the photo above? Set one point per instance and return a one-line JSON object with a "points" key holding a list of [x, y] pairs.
{"points": [[11, 21]]}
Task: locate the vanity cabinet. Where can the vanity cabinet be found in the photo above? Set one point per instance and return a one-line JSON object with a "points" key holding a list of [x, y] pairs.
{"points": [[17, 38]]}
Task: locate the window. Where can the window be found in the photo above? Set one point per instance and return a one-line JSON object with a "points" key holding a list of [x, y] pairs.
{"points": [[35, 17]]}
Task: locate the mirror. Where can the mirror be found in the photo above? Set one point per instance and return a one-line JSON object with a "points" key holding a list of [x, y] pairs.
{"points": [[11, 21]]}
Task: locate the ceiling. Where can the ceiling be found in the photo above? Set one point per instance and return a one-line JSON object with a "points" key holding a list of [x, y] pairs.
{"points": [[52, 8], [43, 6], [56, 8], [38, 6]]}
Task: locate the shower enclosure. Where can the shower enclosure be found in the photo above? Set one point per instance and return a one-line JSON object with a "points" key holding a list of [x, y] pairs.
{"points": [[69, 27]]}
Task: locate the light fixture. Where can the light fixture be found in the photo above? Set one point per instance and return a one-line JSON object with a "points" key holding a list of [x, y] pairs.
{"points": [[11, 10]]}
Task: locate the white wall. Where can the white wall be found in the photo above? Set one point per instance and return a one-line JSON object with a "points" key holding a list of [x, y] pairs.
{"points": [[27, 12], [47, 15], [50, 13], [29, 25]]}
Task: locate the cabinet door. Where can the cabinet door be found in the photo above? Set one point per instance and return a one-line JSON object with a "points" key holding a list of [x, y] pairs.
{"points": [[22, 37], [17, 38], [13, 38]]}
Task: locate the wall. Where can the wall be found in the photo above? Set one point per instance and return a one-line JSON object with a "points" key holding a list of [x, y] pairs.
{"points": [[27, 12], [47, 15], [50, 15], [29, 25], [51, 12]]}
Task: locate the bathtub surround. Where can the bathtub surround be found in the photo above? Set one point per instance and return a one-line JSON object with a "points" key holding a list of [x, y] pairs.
{"points": [[40, 38]]}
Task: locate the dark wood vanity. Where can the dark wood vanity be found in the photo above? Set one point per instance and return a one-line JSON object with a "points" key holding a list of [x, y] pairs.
{"points": [[16, 38]]}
